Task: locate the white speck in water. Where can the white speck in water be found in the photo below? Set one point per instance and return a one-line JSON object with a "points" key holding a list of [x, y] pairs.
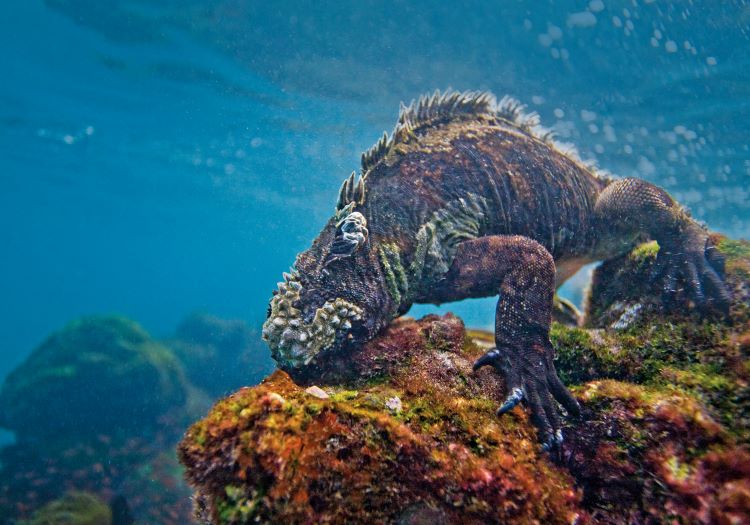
{"points": [[711, 61], [554, 52], [646, 167], [559, 113], [616, 21], [609, 133], [537, 99], [629, 25], [582, 19], [657, 34], [527, 25], [256, 142], [670, 46], [654, 42], [69, 139], [89, 130], [596, 5], [554, 32], [593, 128], [229, 169], [599, 148], [587, 116], [545, 40]]}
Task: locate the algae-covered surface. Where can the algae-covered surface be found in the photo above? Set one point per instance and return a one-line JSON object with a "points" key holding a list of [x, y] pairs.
{"points": [[74, 508], [422, 440], [403, 431]]}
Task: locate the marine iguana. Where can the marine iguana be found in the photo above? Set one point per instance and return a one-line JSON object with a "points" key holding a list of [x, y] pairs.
{"points": [[472, 198]]}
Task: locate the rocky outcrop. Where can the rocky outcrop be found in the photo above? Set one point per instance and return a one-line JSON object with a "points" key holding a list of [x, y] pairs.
{"points": [[402, 431]]}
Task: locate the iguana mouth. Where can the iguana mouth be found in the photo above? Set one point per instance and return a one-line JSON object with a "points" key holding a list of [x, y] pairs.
{"points": [[294, 342]]}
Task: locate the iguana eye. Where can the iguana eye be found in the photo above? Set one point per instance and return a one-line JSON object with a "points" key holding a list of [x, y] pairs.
{"points": [[351, 235]]}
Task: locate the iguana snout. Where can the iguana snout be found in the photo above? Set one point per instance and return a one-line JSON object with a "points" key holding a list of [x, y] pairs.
{"points": [[298, 332]]}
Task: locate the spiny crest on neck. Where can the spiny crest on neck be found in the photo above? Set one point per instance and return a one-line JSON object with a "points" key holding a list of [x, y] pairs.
{"points": [[452, 106]]}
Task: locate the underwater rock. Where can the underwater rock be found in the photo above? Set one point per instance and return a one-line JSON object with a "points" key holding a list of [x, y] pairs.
{"points": [[74, 508], [623, 290], [220, 355], [275, 454], [98, 375], [97, 407], [408, 433]]}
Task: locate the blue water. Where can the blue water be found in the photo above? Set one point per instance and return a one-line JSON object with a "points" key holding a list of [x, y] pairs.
{"points": [[163, 157]]}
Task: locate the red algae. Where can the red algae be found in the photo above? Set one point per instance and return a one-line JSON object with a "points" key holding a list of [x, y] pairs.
{"points": [[402, 431], [295, 458]]}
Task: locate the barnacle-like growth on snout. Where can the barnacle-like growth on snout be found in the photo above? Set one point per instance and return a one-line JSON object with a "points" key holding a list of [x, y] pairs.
{"points": [[295, 343]]}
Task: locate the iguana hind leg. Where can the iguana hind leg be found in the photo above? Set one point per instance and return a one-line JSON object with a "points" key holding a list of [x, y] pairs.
{"points": [[522, 271], [631, 208]]}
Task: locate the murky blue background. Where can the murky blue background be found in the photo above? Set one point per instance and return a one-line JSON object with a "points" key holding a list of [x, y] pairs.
{"points": [[162, 156]]}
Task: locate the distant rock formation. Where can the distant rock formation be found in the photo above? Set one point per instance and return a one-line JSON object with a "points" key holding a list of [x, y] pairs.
{"points": [[221, 355]]}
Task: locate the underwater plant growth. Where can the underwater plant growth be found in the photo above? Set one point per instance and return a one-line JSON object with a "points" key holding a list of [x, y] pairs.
{"points": [[97, 410], [403, 431]]}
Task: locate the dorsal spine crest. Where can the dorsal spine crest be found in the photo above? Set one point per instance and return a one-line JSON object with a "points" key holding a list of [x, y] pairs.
{"points": [[450, 106]]}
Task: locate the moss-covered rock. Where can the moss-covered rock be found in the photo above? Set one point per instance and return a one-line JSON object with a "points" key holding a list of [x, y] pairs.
{"points": [[220, 355], [415, 439], [624, 290], [402, 431], [666, 397], [74, 508], [99, 375], [97, 407]]}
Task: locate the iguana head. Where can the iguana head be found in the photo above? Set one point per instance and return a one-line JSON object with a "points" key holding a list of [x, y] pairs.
{"points": [[334, 297]]}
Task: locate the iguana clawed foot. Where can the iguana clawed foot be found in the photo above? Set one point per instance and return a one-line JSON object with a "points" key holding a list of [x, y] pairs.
{"points": [[696, 266], [530, 376]]}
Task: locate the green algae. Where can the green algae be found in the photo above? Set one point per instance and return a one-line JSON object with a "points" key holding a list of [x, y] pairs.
{"points": [[74, 508], [99, 371]]}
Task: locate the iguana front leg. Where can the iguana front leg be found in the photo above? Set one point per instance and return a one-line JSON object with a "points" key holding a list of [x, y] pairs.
{"points": [[629, 208], [522, 271]]}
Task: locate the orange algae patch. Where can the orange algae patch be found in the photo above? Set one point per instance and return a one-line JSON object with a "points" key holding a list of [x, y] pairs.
{"points": [[295, 458], [404, 432]]}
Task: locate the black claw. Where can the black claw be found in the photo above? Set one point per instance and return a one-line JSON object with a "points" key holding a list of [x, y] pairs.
{"points": [[694, 283], [716, 259], [716, 292], [515, 397], [553, 441], [490, 358], [563, 395]]}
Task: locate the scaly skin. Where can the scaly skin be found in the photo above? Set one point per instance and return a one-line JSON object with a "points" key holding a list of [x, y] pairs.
{"points": [[469, 198]]}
